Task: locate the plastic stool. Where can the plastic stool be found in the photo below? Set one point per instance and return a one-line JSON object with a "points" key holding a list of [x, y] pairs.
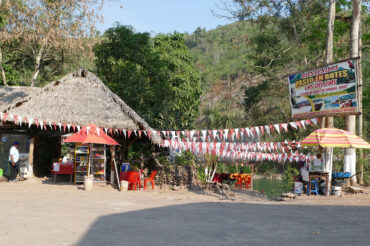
{"points": [[315, 187]]}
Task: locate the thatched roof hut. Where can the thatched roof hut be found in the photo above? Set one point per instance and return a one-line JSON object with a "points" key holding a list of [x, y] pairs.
{"points": [[79, 98]]}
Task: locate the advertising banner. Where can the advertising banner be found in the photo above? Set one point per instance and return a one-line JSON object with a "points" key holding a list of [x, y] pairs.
{"points": [[325, 91]]}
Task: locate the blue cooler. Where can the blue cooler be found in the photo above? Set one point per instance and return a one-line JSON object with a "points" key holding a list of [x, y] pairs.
{"points": [[344, 175], [125, 167]]}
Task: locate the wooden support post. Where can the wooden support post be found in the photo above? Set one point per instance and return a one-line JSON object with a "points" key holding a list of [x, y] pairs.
{"points": [[112, 169], [322, 122], [328, 154], [31, 157], [252, 176]]}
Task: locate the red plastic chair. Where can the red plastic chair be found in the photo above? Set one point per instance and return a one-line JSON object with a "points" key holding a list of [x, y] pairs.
{"points": [[239, 182], [248, 182], [133, 179], [150, 179]]}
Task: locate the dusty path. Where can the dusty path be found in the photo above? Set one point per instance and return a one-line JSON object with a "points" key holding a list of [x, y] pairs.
{"points": [[45, 214]]}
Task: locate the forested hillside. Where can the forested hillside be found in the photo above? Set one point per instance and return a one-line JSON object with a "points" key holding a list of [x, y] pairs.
{"points": [[245, 64]]}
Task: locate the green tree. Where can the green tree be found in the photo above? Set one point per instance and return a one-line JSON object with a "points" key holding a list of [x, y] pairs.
{"points": [[36, 36], [155, 76]]}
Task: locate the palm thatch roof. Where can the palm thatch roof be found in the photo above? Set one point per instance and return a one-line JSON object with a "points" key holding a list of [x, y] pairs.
{"points": [[11, 94], [79, 98]]}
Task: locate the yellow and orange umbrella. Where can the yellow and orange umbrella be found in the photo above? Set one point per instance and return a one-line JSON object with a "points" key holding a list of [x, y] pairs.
{"points": [[332, 137]]}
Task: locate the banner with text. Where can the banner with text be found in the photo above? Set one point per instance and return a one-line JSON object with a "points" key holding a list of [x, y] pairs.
{"points": [[330, 90]]}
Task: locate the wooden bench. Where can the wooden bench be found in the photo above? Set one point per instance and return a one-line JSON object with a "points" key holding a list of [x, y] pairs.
{"points": [[355, 190]]}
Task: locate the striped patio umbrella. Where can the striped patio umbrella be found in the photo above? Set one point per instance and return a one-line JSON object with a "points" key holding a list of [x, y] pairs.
{"points": [[332, 137]]}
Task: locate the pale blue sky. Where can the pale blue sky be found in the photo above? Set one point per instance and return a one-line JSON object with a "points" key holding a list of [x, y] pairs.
{"points": [[162, 16]]}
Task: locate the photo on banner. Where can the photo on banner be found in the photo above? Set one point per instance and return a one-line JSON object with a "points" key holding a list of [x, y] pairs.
{"points": [[325, 91]]}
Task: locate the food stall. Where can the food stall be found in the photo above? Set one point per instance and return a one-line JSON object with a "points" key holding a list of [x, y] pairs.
{"points": [[78, 158]]}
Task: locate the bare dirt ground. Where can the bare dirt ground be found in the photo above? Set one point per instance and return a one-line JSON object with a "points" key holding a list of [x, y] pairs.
{"points": [[41, 213]]}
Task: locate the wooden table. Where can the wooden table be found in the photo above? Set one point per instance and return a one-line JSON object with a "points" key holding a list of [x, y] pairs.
{"points": [[318, 175]]}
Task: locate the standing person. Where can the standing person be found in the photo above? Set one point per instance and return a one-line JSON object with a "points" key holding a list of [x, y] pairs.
{"points": [[13, 162]]}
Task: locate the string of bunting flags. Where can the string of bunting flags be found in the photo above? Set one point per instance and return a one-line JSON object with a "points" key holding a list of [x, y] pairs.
{"points": [[235, 134], [251, 151], [207, 147], [67, 128]]}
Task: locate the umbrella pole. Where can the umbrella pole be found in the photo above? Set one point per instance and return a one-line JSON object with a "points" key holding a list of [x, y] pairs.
{"points": [[89, 171]]}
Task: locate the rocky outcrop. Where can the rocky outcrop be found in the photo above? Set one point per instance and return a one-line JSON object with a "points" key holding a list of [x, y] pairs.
{"points": [[177, 176]]}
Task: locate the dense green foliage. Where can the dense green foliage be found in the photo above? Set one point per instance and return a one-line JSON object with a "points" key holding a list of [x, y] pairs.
{"points": [[155, 76], [42, 40]]}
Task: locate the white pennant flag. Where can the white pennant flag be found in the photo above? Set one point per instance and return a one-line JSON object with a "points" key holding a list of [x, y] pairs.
{"points": [[78, 128], [124, 133], [192, 134], [267, 128], [41, 124], [1, 116], [173, 134], [60, 126], [20, 118], [303, 124], [69, 127], [314, 120], [277, 127], [236, 132], [293, 125], [98, 131], [257, 130], [218, 146], [30, 121], [87, 129], [106, 130], [116, 131], [50, 125], [204, 147], [11, 117], [214, 133], [226, 133], [204, 133]]}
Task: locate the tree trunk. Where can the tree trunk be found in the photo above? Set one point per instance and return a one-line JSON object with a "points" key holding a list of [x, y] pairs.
{"points": [[329, 54], [37, 68], [38, 60], [360, 117], [350, 153], [355, 27], [3, 77]]}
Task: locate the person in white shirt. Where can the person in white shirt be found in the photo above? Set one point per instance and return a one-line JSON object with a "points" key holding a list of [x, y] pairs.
{"points": [[13, 162]]}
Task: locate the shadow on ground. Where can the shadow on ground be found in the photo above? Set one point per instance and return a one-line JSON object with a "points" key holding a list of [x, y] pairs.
{"points": [[233, 224]]}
